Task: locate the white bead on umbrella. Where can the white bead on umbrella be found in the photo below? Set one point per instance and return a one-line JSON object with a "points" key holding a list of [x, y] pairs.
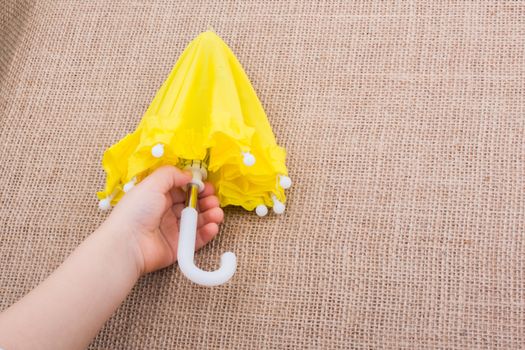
{"points": [[278, 207], [129, 185], [248, 159], [157, 151]]}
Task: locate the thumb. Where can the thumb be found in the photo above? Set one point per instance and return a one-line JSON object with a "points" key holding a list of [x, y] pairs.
{"points": [[165, 178]]}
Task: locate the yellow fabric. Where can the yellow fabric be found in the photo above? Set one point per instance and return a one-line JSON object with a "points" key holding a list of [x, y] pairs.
{"points": [[207, 104]]}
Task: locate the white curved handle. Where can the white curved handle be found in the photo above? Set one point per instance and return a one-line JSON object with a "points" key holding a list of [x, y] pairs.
{"points": [[186, 251]]}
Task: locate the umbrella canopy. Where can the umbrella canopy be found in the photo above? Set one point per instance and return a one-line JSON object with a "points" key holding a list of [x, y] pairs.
{"points": [[206, 110]]}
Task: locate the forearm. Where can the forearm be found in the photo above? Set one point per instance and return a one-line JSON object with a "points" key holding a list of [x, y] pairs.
{"points": [[68, 309]]}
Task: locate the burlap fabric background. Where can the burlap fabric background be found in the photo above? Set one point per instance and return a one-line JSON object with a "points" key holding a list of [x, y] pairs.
{"points": [[405, 127]]}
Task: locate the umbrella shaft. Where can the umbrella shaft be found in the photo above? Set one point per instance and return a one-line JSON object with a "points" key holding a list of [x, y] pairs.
{"points": [[192, 195]]}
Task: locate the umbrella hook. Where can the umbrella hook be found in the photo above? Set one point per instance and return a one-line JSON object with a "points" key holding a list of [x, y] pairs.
{"points": [[188, 234]]}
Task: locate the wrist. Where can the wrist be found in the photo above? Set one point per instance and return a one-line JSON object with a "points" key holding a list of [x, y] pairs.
{"points": [[122, 240]]}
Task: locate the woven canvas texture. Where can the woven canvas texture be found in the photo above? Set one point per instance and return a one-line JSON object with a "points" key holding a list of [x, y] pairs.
{"points": [[405, 128]]}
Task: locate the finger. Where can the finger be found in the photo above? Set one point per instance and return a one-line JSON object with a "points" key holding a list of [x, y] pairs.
{"points": [[205, 204], [208, 203], [165, 178], [208, 190], [178, 195], [215, 215], [168, 202], [206, 234], [177, 209]]}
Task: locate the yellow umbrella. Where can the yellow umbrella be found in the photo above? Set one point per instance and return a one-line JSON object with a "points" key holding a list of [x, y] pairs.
{"points": [[206, 117]]}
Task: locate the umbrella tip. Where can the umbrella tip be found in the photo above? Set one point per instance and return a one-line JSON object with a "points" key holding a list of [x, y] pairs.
{"points": [[104, 204], [285, 182], [261, 210], [129, 185], [248, 159], [157, 151], [278, 206]]}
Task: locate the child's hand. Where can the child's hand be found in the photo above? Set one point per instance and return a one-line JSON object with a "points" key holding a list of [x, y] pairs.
{"points": [[149, 214], [139, 236]]}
